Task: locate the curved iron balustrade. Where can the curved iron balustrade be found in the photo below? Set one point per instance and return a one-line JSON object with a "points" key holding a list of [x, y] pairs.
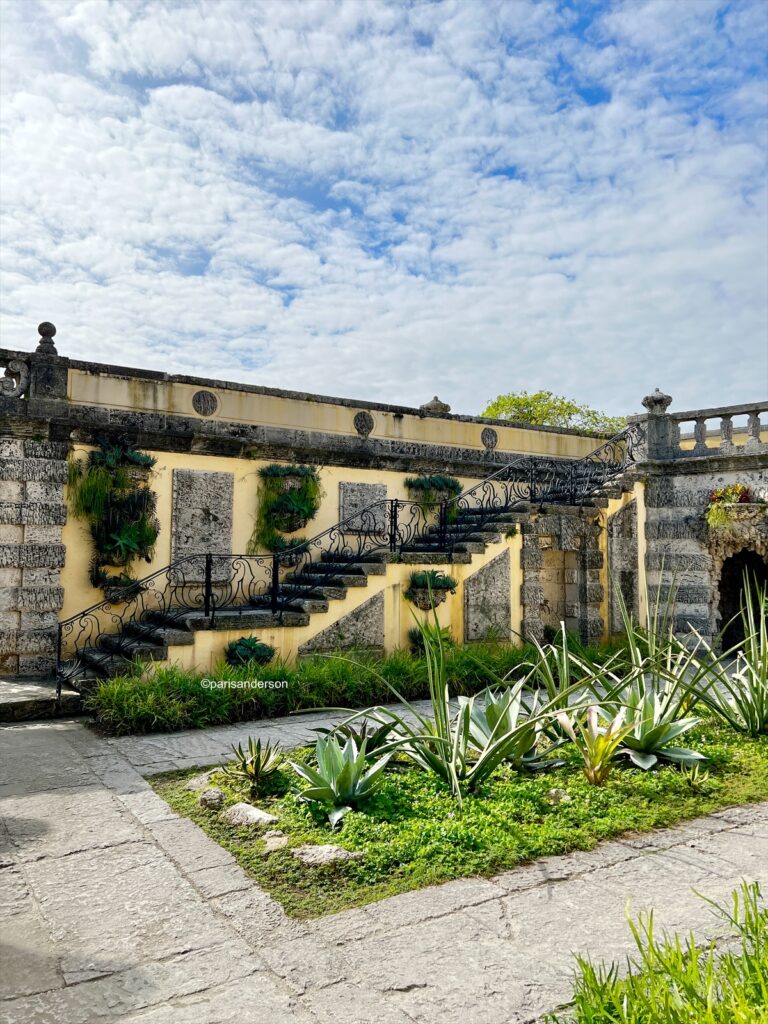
{"points": [[214, 582]]}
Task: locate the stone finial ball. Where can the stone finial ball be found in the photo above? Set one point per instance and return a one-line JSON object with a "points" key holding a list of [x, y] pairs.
{"points": [[46, 329]]}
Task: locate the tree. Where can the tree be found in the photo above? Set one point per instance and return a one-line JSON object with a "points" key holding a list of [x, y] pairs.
{"points": [[544, 409]]}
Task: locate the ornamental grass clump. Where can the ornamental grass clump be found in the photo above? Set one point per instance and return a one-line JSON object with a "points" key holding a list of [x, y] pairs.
{"points": [[674, 981], [254, 765]]}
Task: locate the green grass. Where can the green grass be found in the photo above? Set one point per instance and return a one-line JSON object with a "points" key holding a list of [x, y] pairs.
{"points": [[672, 981], [169, 699], [412, 835]]}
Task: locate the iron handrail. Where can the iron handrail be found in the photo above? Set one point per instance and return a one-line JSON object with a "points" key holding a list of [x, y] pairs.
{"points": [[390, 523]]}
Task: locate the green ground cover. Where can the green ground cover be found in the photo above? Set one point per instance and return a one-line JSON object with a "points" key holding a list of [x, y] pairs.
{"points": [[412, 833]]}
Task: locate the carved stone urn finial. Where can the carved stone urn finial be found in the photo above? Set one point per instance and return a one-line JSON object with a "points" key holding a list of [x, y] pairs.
{"points": [[657, 403], [435, 406], [47, 332]]}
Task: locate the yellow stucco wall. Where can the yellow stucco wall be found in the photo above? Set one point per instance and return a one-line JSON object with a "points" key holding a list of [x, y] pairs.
{"points": [[79, 594], [173, 397]]}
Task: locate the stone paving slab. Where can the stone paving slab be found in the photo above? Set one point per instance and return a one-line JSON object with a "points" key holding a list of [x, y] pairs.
{"points": [[112, 908]]}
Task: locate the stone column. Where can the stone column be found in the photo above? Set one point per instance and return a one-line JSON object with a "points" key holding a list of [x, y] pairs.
{"points": [[32, 513]]}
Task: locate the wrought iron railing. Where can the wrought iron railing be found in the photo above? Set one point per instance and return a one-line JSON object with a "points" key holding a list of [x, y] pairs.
{"points": [[211, 583]]}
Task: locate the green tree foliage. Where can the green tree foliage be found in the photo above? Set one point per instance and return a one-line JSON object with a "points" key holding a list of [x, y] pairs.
{"points": [[545, 409]]}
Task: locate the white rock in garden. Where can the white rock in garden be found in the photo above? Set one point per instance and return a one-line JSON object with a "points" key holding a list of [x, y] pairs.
{"points": [[317, 856], [200, 781], [212, 798], [559, 796], [272, 843], [247, 814]]}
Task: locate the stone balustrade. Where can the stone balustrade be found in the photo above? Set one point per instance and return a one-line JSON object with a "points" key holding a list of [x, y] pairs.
{"points": [[727, 430]]}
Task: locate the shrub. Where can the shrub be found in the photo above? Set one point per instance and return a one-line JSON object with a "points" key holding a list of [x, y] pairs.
{"points": [[156, 698], [248, 649]]}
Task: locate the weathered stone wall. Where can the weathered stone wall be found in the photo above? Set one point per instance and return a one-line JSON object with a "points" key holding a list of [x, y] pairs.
{"points": [[561, 562], [362, 629], [487, 601], [680, 544], [32, 513]]}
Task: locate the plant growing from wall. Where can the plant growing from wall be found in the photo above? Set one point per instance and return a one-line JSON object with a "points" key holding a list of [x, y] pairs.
{"points": [[431, 490], [109, 490], [722, 501], [289, 497], [428, 588]]}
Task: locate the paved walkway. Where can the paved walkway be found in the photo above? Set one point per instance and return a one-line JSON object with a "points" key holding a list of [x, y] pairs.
{"points": [[112, 909]]}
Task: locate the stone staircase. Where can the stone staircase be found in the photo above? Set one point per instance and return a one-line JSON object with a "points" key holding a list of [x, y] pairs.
{"points": [[324, 579]]}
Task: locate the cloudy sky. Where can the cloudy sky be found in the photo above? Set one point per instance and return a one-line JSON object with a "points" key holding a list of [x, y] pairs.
{"points": [[385, 200]]}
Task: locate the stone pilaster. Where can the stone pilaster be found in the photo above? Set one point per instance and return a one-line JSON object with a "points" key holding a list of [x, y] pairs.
{"points": [[32, 514]]}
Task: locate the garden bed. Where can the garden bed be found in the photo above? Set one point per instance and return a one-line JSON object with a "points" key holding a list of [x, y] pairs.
{"points": [[411, 833]]}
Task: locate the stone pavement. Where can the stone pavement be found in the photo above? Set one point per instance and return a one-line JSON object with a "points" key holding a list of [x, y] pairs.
{"points": [[113, 909]]}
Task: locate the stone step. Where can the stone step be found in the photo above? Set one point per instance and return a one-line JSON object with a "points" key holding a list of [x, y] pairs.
{"points": [[336, 570], [435, 557], [129, 647], [471, 547], [247, 617], [24, 700], [310, 605], [324, 580], [164, 635]]}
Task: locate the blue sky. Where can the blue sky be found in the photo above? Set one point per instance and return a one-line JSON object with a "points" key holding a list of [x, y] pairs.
{"points": [[389, 200]]}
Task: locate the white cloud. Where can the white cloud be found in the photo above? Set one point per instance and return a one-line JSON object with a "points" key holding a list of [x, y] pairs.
{"points": [[384, 200]]}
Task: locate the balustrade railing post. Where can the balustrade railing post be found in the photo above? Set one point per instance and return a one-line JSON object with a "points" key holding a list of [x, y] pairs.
{"points": [[393, 507], [58, 662], [208, 594], [442, 526], [275, 587]]}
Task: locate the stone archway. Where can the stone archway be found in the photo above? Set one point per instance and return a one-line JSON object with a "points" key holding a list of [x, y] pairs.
{"points": [[742, 545], [731, 590]]}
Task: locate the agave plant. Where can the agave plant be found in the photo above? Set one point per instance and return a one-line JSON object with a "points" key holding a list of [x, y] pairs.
{"points": [[373, 735], [504, 713], [441, 742], [255, 765], [740, 695], [597, 738], [652, 715], [343, 778]]}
